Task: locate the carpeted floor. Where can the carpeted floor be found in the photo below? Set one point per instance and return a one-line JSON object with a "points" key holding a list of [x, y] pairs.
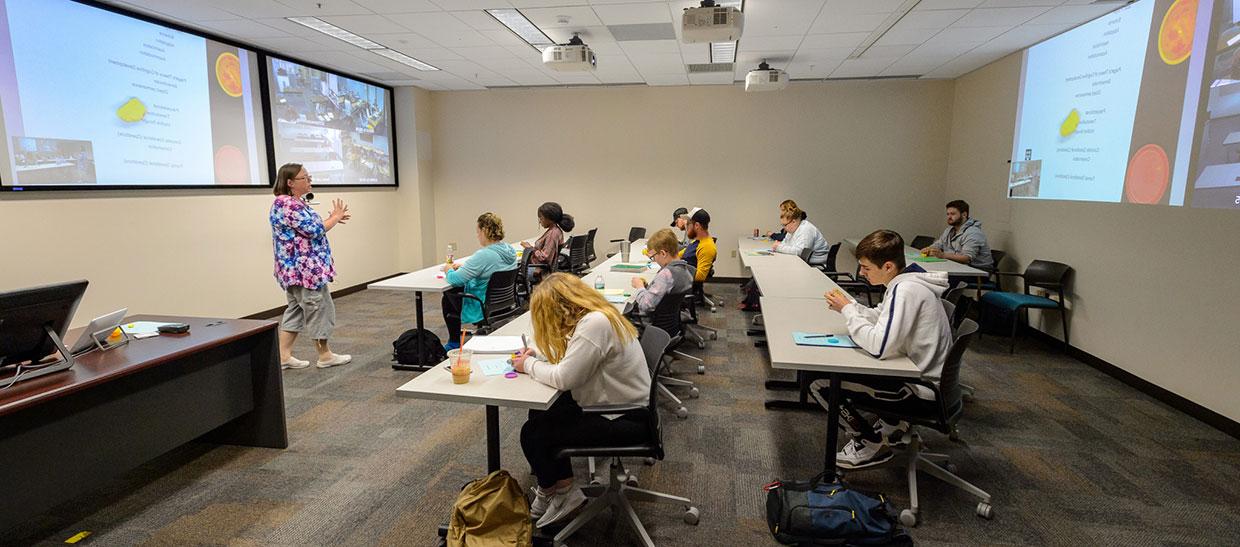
{"points": [[1071, 456]]}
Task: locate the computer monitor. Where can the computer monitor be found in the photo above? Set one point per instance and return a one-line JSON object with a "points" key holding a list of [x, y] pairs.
{"points": [[28, 318]]}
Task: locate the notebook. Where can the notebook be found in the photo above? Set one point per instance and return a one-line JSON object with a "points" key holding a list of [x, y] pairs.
{"points": [[494, 344], [823, 340]]}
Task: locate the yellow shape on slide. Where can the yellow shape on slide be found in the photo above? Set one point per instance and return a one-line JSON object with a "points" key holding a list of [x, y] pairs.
{"points": [[1070, 123], [132, 111]]}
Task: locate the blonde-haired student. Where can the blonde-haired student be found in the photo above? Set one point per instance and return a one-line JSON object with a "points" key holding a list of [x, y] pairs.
{"points": [[586, 348], [474, 275]]}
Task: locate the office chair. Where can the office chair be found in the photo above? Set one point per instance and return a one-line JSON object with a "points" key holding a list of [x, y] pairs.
{"points": [[956, 313], [666, 316], [921, 242], [578, 255], [694, 330], [501, 303], [942, 414], [590, 245], [617, 493], [1044, 274], [635, 233], [526, 282]]}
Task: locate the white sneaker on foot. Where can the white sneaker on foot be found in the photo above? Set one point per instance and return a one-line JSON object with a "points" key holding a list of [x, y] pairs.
{"points": [[538, 507], [336, 360], [859, 453], [561, 505], [896, 435], [294, 363]]}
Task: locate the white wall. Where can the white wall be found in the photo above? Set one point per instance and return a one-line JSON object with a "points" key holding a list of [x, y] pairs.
{"points": [[198, 252], [1156, 291], [627, 156]]}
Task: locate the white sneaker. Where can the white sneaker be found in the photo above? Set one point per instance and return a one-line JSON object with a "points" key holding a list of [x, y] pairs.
{"points": [[860, 453], [294, 363], [538, 507], [896, 435], [561, 505], [336, 360]]}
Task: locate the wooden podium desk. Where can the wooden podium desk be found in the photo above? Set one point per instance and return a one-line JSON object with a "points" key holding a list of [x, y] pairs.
{"points": [[66, 433]]}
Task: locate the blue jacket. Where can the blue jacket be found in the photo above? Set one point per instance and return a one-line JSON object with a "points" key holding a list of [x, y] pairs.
{"points": [[476, 272]]}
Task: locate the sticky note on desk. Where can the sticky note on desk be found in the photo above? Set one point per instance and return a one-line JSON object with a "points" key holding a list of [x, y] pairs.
{"points": [[495, 367], [823, 340]]}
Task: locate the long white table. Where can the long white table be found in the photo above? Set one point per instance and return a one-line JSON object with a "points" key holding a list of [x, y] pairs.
{"points": [[951, 267], [782, 316]]}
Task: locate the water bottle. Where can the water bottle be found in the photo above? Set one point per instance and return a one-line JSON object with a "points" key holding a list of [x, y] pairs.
{"points": [[624, 251], [599, 283]]}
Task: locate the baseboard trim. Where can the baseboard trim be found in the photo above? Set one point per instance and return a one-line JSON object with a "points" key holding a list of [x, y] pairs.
{"points": [[1209, 417], [277, 312]]}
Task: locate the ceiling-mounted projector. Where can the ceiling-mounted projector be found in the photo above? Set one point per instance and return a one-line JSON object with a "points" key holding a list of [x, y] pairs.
{"points": [[711, 23], [575, 56], [766, 78]]}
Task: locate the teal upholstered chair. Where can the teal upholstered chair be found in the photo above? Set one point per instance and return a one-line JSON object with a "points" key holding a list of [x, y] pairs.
{"points": [[1043, 274]]}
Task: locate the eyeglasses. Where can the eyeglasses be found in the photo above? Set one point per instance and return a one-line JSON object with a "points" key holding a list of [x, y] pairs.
{"points": [[307, 177]]}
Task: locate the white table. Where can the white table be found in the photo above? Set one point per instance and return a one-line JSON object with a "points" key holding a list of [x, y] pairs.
{"points": [[951, 267], [748, 246], [430, 279], [492, 391], [787, 276], [781, 317]]}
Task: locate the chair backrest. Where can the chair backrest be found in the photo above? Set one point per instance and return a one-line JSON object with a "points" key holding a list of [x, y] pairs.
{"points": [[666, 315], [578, 256], [502, 295], [949, 380], [636, 233], [948, 307], [996, 257], [654, 344], [523, 273], [806, 253], [921, 242], [955, 293], [590, 244], [832, 254], [1046, 274]]}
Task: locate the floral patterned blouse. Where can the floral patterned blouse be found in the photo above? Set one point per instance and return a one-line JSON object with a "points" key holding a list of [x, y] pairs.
{"points": [[303, 257]]}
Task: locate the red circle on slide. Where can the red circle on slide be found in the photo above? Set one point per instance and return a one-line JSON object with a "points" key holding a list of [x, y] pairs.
{"points": [[231, 166], [1149, 172]]}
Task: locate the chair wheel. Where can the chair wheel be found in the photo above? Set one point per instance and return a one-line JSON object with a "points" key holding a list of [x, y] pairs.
{"points": [[701, 344], [692, 515], [594, 481], [682, 413], [950, 467], [985, 511], [648, 461], [714, 336], [701, 369], [694, 393], [908, 518], [631, 480], [966, 397]]}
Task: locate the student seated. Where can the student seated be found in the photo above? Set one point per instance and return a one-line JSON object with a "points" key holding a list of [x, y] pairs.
{"points": [[546, 250], [586, 348], [472, 277], [909, 321], [784, 205], [801, 235], [675, 275], [963, 241], [680, 217], [701, 250]]}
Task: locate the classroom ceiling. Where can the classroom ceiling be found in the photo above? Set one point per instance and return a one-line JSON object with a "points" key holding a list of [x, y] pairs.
{"points": [[811, 39]]}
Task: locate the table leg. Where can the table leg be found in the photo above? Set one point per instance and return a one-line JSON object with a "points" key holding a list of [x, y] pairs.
{"points": [[833, 428], [420, 323], [492, 438]]}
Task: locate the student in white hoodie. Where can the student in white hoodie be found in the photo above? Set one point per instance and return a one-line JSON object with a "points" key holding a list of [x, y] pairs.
{"points": [[909, 321], [586, 348]]}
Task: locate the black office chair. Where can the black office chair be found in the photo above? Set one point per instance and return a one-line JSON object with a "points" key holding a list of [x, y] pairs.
{"points": [[501, 303], [921, 242], [667, 317], [590, 245], [617, 492], [694, 329], [957, 305], [526, 282], [635, 233], [941, 414], [578, 260], [1043, 274]]}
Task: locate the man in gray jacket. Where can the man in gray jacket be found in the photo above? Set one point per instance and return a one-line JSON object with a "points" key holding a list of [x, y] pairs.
{"points": [[963, 241]]}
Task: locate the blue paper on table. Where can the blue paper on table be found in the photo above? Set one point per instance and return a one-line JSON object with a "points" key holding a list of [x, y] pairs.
{"points": [[616, 298], [824, 340], [495, 367]]}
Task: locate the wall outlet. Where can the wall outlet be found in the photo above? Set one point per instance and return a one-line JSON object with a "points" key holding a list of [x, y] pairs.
{"points": [[733, 253]]}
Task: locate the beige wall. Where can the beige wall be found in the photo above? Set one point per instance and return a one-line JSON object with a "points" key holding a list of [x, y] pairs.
{"points": [[624, 156], [196, 252], [1156, 291]]}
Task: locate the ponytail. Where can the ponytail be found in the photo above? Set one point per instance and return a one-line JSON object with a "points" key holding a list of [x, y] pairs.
{"points": [[567, 223]]}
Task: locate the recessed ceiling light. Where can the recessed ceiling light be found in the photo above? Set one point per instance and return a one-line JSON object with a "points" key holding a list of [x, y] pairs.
{"points": [[334, 31], [404, 59], [519, 25]]}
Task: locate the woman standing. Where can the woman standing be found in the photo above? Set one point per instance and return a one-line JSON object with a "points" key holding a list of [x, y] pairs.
{"points": [[547, 248], [304, 266], [585, 347]]}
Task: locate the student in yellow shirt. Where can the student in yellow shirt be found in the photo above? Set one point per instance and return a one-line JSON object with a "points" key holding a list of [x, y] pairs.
{"points": [[701, 251]]}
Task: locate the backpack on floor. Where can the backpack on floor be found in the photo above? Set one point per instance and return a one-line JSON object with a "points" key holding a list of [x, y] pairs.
{"points": [[405, 349], [491, 512], [816, 512]]}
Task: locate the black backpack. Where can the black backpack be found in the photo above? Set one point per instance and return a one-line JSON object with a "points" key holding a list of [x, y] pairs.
{"points": [[405, 349], [816, 512]]}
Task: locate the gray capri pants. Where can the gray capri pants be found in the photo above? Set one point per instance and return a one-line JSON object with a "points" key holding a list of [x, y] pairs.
{"points": [[309, 311]]}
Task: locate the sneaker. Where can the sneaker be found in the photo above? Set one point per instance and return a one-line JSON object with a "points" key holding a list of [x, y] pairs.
{"points": [[451, 346], [538, 507], [860, 453], [562, 504], [294, 363], [896, 435], [336, 360]]}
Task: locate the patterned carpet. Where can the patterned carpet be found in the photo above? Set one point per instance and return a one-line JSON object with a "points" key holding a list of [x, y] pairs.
{"points": [[1071, 456]]}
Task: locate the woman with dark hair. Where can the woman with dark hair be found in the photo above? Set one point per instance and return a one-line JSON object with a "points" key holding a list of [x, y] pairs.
{"points": [[304, 266], [547, 248]]}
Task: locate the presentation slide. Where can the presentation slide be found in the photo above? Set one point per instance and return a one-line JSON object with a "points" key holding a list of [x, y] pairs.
{"points": [[1216, 177], [1105, 108], [338, 128], [94, 98]]}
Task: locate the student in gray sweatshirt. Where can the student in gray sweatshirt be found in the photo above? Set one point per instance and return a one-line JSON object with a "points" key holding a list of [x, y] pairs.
{"points": [[963, 241]]}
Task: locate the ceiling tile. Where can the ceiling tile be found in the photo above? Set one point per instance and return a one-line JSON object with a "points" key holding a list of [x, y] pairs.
{"points": [[319, 8], [971, 34], [403, 41], [432, 54], [539, 3], [783, 18], [768, 43], [667, 79], [933, 47], [887, 52], [478, 20], [1018, 3], [472, 4], [859, 68], [633, 14], [396, 6], [802, 71], [1073, 15], [862, 6], [547, 18], [846, 39], [504, 37], [290, 44], [997, 17], [695, 53], [904, 36], [822, 55], [592, 36], [365, 24], [1028, 35], [253, 9], [244, 29], [483, 52], [949, 4], [847, 22], [641, 47], [186, 10], [643, 31], [919, 18]]}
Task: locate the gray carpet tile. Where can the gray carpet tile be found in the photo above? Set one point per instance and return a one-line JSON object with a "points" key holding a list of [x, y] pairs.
{"points": [[1071, 456]]}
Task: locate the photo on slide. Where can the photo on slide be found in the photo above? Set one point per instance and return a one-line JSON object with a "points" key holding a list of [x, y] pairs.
{"points": [[1025, 179], [51, 161], [1217, 170]]}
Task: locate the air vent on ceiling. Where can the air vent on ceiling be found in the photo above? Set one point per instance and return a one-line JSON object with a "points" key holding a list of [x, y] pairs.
{"points": [[642, 31], [701, 68], [388, 76]]}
